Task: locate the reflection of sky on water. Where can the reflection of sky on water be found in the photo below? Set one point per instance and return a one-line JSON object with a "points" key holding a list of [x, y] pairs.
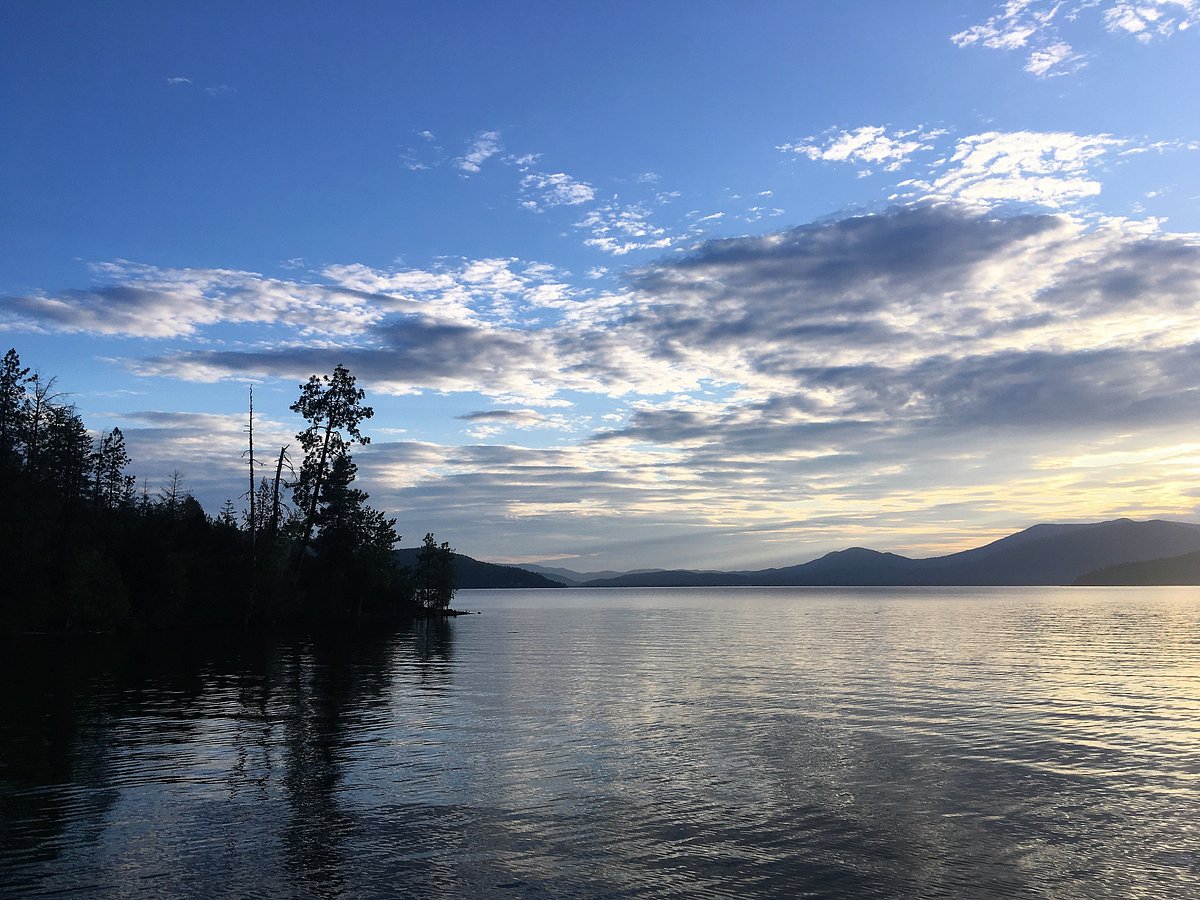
{"points": [[987, 742]]}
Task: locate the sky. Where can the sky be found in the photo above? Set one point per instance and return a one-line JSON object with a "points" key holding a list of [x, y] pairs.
{"points": [[628, 284]]}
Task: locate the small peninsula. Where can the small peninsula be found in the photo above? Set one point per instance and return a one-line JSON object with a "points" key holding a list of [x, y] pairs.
{"points": [[85, 548]]}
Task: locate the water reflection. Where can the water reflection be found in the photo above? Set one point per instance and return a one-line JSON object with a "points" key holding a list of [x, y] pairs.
{"points": [[223, 758], [622, 744]]}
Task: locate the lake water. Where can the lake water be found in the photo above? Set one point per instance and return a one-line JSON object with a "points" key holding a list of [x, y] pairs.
{"points": [[718, 742]]}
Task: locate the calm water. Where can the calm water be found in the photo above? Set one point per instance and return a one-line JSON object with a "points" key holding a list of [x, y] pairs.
{"points": [[785, 742]]}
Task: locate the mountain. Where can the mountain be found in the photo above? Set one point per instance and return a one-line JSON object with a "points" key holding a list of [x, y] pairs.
{"points": [[472, 573], [1183, 569], [1043, 554], [572, 578], [673, 578]]}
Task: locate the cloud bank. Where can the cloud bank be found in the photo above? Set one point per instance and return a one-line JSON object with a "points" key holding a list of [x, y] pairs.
{"points": [[914, 367]]}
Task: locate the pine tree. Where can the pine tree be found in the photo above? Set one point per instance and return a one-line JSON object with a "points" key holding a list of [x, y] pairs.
{"points": [[112, 487], [13, 379], [436, 579], [331, 404]]}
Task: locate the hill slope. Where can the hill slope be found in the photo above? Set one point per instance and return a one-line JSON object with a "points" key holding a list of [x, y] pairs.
{"points": [[1043, 554], [473, 573], [1183, 569]]}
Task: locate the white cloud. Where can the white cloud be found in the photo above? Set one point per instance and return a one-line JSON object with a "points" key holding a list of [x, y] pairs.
{"points": [[1035, 26], [556, 189], [1150, 19], [1012, 28], [484, 147], [621, 229], [869, 145], [178, 80], [1052, 169], [859, 360], [524, 161], [147, 301], [1056, 59]]}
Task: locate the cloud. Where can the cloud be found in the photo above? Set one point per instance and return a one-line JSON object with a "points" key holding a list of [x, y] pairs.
{"points": [[869, 376], [557, 189], [149, 302], [1052, 169], [1150, 19], [485, 145], [1034, 26], [524, 161], [869, 145], [1054, 60], [491, 422], [405, 356], [178, 80], [621, 229], [144, 301], [206, 448], [1017, 24], [1049, 169], [843, 316]]}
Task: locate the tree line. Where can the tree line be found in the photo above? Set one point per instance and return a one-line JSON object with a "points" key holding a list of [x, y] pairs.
{"points": [[83, 548]]}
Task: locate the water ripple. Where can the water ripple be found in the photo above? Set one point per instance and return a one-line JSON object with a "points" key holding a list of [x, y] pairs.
{"points": [[712, 743]]}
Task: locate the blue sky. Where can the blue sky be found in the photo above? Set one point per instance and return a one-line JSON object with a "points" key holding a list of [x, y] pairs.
{"points": [[628, 284]]}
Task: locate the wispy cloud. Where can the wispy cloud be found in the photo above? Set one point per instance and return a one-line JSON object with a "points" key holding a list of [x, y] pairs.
{"points": [[619, 229], [491, 422], [1051, 169], [150, 302], [869, 145], [1035, 26], [1150, 19], [558, 189], [485, 145], [1056, 170]]}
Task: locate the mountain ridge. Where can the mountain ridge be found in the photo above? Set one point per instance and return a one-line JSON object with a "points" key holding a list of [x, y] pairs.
{"points": [[1043, 554]]}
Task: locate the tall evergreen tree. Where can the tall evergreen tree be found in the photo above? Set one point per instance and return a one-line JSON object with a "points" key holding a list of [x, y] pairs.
{"points": [[333, 407], [13, 380], [67, 453], [436, 579], [112, 487]]}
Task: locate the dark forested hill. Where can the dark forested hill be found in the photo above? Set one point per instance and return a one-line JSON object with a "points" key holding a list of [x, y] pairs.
{"points": [[1183, 569], [472, 573]]}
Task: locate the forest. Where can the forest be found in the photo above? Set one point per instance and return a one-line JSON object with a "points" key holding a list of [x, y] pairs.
{"points": [[84, 549]]}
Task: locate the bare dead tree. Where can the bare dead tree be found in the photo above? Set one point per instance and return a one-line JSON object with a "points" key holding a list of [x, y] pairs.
{"points": [[284, 460]]}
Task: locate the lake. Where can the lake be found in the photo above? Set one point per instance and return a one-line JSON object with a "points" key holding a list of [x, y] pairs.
{"points": [[997, 742]]}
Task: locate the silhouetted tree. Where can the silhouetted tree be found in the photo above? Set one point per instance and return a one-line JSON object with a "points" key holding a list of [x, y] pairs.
{"points": [[112, 486], [13, 379], [435, 577], [78, 551], [171, 494], [331, 404], [39, 404]]}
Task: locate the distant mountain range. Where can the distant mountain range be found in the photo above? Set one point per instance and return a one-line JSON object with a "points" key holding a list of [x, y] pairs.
{"points": [[570, 578], [1117, 552]]}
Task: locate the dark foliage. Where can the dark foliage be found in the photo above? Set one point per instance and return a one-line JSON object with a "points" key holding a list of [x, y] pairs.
{"points": [[82, 550]]}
